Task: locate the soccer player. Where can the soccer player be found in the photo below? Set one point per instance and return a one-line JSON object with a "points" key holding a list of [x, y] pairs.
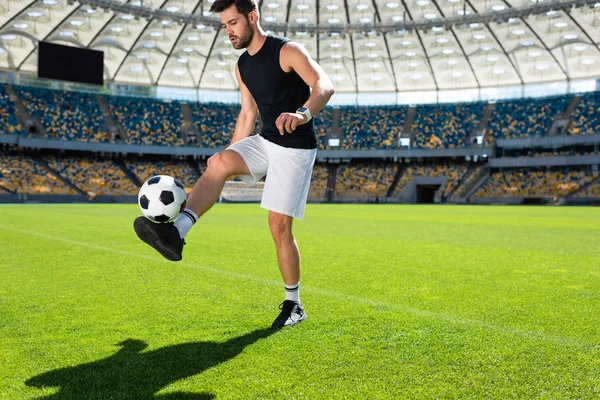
{"points": [[275, 76]]}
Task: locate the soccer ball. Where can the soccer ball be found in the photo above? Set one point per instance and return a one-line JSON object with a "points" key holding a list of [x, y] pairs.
{"points": [[162, 198]]}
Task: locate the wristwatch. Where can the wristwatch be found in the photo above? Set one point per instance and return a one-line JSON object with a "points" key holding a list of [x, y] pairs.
{"points": [[305, 111]]}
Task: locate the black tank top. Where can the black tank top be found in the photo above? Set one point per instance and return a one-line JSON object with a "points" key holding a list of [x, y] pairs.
{"points": [[276, 91]]}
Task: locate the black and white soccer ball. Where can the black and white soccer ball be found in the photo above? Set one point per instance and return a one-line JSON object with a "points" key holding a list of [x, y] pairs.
{"points": [[162, 198]]}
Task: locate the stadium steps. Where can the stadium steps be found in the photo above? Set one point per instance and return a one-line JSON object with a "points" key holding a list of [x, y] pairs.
{"points": [[7, 189], [583, 187], [479, 130], [407, 130], [188, 130], [475, 178], [195, 168], [571, 107], [113, 128], [66, 181], [463, 180], [30, 123], [479, 180], [132, 177], [560, 125], [392, 188], [330, 189], [335, 121]]}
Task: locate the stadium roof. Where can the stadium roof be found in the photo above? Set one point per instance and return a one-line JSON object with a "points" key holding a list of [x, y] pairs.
{"points": [[364, 45]]}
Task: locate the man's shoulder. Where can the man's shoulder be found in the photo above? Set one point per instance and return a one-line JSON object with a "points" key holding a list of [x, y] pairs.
{"points": [[282, 42], [281, 39], [242, 59]]}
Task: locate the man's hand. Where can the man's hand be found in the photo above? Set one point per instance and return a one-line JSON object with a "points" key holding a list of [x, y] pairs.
{"points": [[288, 122]]}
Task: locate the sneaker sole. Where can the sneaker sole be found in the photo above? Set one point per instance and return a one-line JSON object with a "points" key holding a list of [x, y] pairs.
{"points": [[296, 322], [149, 236]]}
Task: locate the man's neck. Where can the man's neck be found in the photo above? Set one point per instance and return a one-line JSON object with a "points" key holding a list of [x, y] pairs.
{"points": [[257, 42]]}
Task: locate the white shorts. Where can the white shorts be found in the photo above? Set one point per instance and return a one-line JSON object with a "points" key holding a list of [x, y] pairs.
{"points": [[288, 173]]}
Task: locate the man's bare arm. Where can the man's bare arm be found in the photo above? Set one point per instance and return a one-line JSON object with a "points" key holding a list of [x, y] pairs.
{"points": [[295, 57], [247, 117]]}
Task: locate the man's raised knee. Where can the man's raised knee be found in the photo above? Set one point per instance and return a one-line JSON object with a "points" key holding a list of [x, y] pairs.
{"points": [[226, 163], [218, 164]]}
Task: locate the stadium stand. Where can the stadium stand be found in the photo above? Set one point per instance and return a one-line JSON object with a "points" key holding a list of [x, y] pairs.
{"points": [[318, 183], [525, 117], [371, 127], [179, 170], [459, 188], [366, 180], [445, 125], [215, 122], [453, 171], [21, 174], [323, 124], [148, 121], [535, 184], [65, 115], [94, 176], [592, 191], [586, 116], [78, 116], [8, 116]]}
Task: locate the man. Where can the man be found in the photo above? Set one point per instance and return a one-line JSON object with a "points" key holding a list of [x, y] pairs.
{"points": [[275, 77]]}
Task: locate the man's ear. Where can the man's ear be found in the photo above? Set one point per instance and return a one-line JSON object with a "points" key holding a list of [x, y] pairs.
{"points": [[253, 17]]}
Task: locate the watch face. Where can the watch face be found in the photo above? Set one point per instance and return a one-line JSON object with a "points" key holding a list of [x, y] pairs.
{"points": [[301, 110]]}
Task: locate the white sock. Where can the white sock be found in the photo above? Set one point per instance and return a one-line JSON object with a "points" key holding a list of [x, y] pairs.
{"points": [[185, 221], [292, 292]]}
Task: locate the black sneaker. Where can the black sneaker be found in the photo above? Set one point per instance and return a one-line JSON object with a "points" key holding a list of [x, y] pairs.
{"points": [[163, 237], [291, 314]]}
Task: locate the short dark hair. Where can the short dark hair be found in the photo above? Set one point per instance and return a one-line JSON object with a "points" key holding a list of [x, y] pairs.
{"points": [[244, 7]]}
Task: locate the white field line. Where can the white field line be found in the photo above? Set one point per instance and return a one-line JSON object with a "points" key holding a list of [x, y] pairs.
{"points": [[530, 334]]}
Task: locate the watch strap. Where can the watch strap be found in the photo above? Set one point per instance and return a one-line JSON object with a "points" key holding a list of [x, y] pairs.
{"points": [[305, 111]]}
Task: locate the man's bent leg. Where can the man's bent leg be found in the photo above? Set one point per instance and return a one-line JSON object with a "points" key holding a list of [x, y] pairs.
{"points": [[207, 189], [167, 238]]}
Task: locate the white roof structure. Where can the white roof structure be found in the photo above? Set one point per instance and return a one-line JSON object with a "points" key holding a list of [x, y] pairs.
{"points": [[364, 45]]}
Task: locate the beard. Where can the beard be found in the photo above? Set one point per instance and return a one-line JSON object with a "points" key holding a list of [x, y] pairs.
{"points": [[244, 40]]}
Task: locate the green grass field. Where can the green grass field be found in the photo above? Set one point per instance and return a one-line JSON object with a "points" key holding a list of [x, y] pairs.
{"points": [[403, 302]]}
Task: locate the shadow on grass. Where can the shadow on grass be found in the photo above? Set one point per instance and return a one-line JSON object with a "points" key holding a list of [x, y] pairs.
{"points": [[131, 374]]}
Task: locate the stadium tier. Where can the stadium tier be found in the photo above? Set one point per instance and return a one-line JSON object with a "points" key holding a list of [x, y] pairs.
{"points": [[215, 123], [591, 191], [93, 176], [318, 183], [446, 125], [371, 127], [184, 172], [452, 171], [65, 115], [21, 174], [586, 116], [79, 116], [8, 116], [360, 181], [525, 117], [364, 180], [323, 124], [537, 184], [148, 121]]}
